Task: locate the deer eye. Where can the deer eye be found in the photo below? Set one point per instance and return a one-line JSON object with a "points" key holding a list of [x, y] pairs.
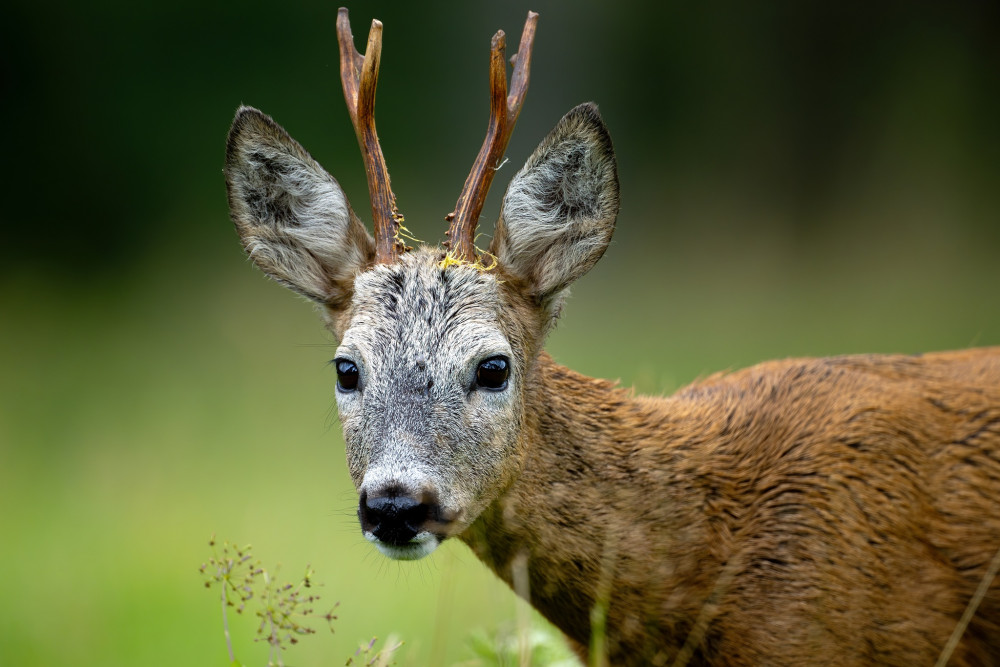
{"points": [[347, 375], [492, 374]]}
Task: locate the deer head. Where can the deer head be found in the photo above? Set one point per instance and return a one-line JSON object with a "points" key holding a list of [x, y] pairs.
{"points": [[438, 346]]}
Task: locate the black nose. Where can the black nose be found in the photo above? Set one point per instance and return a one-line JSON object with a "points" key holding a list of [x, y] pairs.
{"points": [[394, 517]]}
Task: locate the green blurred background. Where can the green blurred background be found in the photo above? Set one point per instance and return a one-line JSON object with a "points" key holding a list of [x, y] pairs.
{"points": [[797, 179]]}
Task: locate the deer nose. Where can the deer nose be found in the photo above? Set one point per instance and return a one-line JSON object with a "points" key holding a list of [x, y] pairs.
{"points": [[394, 517]]}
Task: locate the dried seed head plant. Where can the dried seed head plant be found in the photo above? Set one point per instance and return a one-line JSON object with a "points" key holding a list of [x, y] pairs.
{"points": [[285, 612]]}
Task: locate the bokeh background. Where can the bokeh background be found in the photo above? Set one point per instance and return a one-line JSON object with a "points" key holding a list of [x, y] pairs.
{"points": [[797, 179]]}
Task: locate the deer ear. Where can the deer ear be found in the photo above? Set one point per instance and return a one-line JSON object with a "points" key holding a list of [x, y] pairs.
{"points": [[559, 211], [293, 218]]}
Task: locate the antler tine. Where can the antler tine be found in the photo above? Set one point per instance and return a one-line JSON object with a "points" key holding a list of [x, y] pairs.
{"points": [[504, 111], [359, 76]]}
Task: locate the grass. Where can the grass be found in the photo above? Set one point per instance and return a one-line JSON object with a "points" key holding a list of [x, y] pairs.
{"points": [[140, 416]]}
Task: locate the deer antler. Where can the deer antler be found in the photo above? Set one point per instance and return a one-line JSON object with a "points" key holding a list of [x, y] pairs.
{"points": [[359, 74], [504, 110]]}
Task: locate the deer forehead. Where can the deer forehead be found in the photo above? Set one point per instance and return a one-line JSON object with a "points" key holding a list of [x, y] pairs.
{"points": [[414, 310]]}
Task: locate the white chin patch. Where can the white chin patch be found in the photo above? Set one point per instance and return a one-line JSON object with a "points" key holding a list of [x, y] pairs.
{"points": [[421, 545]]}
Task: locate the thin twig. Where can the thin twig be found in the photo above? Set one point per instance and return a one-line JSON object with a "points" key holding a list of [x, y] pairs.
{"points": [[970, 611], [522, 586], [708, 611], [225, 623], [602, 602]]}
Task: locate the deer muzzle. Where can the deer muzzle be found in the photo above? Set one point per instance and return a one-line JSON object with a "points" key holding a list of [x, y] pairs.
{"points": [[403, 525]]}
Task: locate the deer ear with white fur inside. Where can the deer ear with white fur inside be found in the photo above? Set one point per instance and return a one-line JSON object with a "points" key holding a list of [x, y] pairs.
{"points": [[559, 211], [293, 218]]}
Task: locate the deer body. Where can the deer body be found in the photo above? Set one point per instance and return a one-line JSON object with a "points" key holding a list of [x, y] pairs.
{"points": [[836, 511], [828, 511]]}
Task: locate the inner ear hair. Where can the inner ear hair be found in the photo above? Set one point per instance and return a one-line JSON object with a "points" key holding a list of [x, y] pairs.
{"points": [[559, 212], [292, 216]]}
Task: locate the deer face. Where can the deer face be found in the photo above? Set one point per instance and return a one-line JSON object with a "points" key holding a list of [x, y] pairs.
{"points": [[430, 376], [433, 358]]}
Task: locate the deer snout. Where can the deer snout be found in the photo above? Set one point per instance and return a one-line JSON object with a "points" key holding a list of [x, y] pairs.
{"points": [[403, 525]]}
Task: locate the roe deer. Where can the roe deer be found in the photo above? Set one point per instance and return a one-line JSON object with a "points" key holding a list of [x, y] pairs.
{"points": [[841, 511]]}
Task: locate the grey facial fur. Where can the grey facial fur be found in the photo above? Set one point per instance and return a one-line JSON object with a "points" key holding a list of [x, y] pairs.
{"points": [[417, 334]]}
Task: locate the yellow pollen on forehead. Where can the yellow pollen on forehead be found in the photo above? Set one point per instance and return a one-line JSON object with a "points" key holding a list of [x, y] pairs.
{"points": [[450, 260]]}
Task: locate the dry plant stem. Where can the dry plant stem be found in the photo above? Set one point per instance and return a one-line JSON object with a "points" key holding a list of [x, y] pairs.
{"points": [[359, 76], [446, 594], [504, 111], [708, 611], [599, 612], [522, 586], [225, 624], [970, 611], [272, 640], [390, 646]]}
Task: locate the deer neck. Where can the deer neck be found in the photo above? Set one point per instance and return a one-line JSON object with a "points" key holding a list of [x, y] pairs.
{"points": [[574, 530]]}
